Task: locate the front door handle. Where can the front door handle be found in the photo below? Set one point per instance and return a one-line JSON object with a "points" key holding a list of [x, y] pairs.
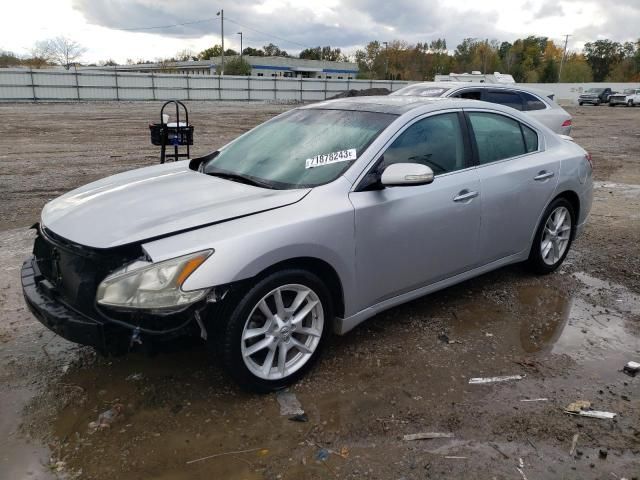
{"points": [[543, 175], [465, 195]]}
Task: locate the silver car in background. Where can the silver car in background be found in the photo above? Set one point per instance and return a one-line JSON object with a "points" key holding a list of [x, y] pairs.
{"points": [[310, 223], [537, 103]]}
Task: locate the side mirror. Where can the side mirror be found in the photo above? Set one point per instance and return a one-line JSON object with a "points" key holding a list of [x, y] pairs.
{"points": [[405, 174]]}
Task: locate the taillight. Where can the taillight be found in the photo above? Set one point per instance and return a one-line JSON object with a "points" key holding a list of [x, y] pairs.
{"points": [[587, 156], [566, 123]]}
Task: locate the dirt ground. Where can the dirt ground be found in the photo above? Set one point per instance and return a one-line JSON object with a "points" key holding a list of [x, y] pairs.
{"points": [[406, 371]]}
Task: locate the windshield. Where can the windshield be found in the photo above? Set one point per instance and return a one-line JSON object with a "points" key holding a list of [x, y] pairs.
{"points": [[594, 90], [629, 90], [421, 91], [301, 148]]}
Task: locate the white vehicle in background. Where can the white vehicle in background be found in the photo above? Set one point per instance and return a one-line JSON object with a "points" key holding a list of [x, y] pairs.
{"points": [[630, 97], [475, 76], [537, 103]]}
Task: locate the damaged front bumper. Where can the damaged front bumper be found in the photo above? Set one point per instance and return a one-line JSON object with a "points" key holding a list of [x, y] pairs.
{"points": [[114, 333]]}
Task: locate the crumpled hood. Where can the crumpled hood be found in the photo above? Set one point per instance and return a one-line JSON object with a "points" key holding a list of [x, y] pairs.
{"points": [[152, 202]]}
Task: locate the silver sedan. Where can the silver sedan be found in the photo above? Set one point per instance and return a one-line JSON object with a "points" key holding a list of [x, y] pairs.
{"points": [[310, 223], [537, 103]]}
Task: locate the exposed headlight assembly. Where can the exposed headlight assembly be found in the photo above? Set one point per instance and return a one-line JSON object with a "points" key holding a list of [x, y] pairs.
{"points": [[144, 285]]}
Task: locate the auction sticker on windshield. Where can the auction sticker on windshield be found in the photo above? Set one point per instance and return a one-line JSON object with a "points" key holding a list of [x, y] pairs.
{"points": [[329, 158]]}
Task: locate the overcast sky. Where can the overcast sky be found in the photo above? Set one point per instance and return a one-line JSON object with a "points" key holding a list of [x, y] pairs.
{"points": [[100, 25]]}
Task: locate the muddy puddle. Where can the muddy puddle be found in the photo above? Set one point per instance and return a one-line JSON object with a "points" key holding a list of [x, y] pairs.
{"points": [[404, 372]]}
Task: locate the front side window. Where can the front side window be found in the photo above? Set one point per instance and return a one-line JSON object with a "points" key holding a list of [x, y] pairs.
{"points": [[499, 137], [300, 149], [531, 102], [508, 99], [436, 142]]}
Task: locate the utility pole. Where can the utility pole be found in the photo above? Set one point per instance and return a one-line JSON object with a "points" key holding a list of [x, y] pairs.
{"points": [[221, 15], [386, 60], [564, 55], [240, 33]]}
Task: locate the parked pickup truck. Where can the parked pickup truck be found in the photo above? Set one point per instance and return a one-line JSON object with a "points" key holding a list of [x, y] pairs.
{"points": [[595, 96], [630, 97]]}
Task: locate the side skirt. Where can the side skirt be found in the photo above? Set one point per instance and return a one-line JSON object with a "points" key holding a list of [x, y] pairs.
{"points": [[344, 325]]}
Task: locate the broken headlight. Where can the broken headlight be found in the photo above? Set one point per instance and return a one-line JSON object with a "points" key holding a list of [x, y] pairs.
{"points": [[152, 285]]}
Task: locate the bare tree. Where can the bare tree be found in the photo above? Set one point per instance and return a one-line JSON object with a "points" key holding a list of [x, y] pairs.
{"points": [[60, 50]]}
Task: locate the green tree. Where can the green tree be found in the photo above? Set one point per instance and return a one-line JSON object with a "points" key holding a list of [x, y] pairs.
{"points": [[576, 69], [602, 56], [272, 50], [237, 66], [211, 52], [253, 52], [323, 53]]}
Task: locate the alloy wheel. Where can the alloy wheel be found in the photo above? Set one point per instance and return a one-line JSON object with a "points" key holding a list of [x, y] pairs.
{"points": [[282, 332], [556, 236]]}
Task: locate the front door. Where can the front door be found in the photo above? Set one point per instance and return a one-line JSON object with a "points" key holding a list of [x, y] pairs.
{"points": [[411, 236]]}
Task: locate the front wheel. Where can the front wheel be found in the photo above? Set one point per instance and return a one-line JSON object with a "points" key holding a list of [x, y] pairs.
{"points": [[630, 103], [580, 103], [553, 237], [276, 331]]}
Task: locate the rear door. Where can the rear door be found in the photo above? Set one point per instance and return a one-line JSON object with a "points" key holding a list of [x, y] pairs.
{"points": [[517, 180]]}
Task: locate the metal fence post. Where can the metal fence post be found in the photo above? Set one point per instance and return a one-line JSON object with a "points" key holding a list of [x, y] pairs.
{"points": [[33, 85], [325, 88], [300, 80], [219, 87], [348, 83], [188, 88], [77, 84], [248, 89], [115, 73], [275, 88], [153, 86]]}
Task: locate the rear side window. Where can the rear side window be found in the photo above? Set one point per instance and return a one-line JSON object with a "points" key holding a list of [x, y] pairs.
{"points": [[530, 138], [508, 99], [497, 137], [531, 102]]}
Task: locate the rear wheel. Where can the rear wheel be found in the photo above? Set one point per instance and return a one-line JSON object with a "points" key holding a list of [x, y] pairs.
{"points": [[553, 237], [275, 332]]}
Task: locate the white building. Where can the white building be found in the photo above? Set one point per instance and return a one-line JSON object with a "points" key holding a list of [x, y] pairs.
{"points": [[260, 67]]}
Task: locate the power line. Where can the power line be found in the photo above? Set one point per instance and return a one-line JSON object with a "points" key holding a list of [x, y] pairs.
{"points": [[267, 34], [169, 26]]}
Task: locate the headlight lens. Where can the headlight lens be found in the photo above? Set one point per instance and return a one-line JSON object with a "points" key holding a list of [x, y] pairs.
{"points": [[152, 285]]}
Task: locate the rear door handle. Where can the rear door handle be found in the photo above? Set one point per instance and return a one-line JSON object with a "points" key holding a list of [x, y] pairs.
{"points": [[465, 195], [543, 175]]}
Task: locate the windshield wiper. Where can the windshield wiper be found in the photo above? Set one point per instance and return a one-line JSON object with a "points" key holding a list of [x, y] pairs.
{"points": [[237, 177]]}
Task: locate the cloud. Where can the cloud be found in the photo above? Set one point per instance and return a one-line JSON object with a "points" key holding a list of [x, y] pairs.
{"points": [[348, 24], [550, 9]]}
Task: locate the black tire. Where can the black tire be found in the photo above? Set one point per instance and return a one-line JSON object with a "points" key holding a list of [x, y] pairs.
{"points": [[630, 103], [535, 262], [231, 320], [597, 103], [580, 103]]}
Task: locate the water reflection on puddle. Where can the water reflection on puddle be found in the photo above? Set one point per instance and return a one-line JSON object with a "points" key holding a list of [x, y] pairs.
{"points": [[599, 317]]}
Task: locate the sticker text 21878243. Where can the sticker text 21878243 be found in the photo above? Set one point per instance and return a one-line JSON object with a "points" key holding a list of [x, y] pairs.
{"points": [[329, 158]]}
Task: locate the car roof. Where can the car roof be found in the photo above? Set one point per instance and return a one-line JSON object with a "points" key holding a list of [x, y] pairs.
{"points": [[397, 105], [505, 86]]}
